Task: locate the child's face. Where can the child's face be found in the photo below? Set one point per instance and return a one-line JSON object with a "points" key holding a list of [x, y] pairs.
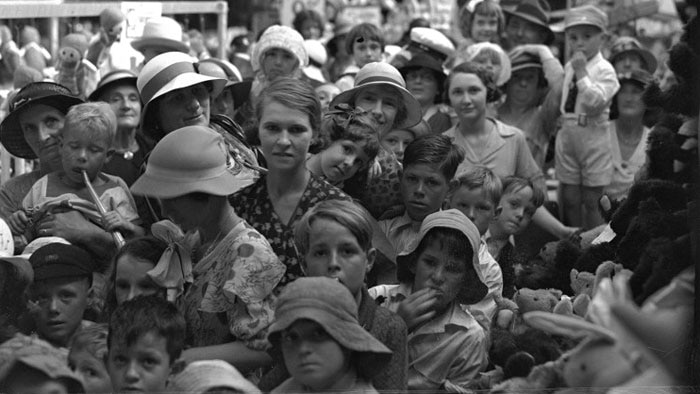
{"points": [[484, 28], [490, 61], [144, 366], [516, 210], [396, 141], [131, 279], [366, 51], [326, 93], [333, 252], [342, 159], [443, 273], [82, 150], [630, 103], [423, 189], [628, 62], [475, 205], [91, 370], [278, 62], [59, 307], [584, 38], [312, 356]]}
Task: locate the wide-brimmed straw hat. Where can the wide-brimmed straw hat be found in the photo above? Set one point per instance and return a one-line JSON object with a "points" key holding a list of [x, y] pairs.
{"points": [[472, 291], [330, 304], [630, 45], [112, 78], [47, 93], [382, 74], [534, 11], [187, 160], [161, 32], [202, 376], [168, 72]]}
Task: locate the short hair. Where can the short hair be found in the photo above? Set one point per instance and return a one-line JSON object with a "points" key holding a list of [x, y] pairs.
{"points": [[305, 15], [364, 31], [434, 150], [492, 92], [150, 314], [147, 248], [449, 239], [487, 8], [348, 214], [95, 117], [92, 340], [513, 184], [355, 126], [295, 94], [480, 177]]}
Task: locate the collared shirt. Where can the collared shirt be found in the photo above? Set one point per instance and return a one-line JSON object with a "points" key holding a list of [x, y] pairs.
{"points": [[506, 153], [492, 276], [448, 350], [624, 171], [595, 91], [400, 231]]}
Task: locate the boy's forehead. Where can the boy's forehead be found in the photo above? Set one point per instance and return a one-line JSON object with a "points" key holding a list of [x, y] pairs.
{"points": [[583, 29]]}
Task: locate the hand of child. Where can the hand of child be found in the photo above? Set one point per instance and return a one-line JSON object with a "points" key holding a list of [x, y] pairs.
{"points": [[375, 169], [113, 221], [417, 308], [578, 62], [18, 222]]}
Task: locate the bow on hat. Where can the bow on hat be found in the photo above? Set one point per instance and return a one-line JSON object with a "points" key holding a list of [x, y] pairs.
{"points": [[174, 267], [343, 114]]}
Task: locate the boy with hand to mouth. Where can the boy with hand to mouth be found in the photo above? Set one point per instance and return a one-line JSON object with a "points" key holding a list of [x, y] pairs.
{"points": [[85, 145]]}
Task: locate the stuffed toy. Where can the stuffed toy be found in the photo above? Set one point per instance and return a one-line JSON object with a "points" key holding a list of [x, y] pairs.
{"points": [[550, 268], [662, 260], [592, 256], [73, 71], [536, 300]]}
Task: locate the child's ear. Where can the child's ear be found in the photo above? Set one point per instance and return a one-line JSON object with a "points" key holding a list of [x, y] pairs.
{"points": [[371, 258], [177, 366]]}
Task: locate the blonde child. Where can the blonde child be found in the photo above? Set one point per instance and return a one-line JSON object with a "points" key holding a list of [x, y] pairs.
{"points": [[324, 347], [437, 272], [397, 140], [583, 155], [86, 358]]}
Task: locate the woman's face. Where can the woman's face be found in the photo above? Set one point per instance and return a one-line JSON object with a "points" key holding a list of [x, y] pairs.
{"points": [[132, 280], [523, 87], [126, 103], [383, 103], [285, 135], [422, 84], [41, 125], [468, 97], [184, 107], [629, 101], [278, 62], [184, 211]]}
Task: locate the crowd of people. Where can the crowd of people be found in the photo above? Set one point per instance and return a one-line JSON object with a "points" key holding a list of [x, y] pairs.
{"points": [[337, 213]]}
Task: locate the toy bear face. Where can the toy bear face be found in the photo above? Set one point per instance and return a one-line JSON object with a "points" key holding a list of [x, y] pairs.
{"points": [[582, 282], [536, 300]]}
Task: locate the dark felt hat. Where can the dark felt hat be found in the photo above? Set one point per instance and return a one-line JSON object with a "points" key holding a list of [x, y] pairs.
{"points": [[58, 260]]}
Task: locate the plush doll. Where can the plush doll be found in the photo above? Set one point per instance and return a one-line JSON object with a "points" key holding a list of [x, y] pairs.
{"points": [[73, 71], [550, 268], [537, 299]]}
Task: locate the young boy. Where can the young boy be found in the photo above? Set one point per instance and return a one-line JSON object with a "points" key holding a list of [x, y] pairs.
{"points": [[85, 145], [476, 193], [429, 164], [365, 43], [59, 294], [397, 140], [146, 337], [31, 365], [324, 347], [335, 238], [438, 272], [351, 144], [583, 156], [87, 359], [519, 201]]}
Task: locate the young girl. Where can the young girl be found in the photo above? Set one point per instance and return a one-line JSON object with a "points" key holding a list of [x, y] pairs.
{"points": [[324, 347], [437, 272], [350, 139], [397, 140], [481, 21], [493, 58], [86, 358]]}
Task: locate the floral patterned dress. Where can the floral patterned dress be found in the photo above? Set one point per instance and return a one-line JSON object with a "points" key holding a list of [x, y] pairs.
{"points": [[231, 294], [253, 204]]}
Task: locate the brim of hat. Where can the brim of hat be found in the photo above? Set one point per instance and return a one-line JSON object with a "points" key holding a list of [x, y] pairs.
{"points": [[223, 184], [550, 33], [421, 64], [648, 57], [23, 267], [315, 74], [349, 335], [241, 93], [413, 108], [11, 134], [41, 363], [183, 81], [95, 96], [582, 23], [525, 66], [177, 46]]}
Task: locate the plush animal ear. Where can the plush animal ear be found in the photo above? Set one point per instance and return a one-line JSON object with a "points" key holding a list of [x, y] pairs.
{"points": [[568, 326]]}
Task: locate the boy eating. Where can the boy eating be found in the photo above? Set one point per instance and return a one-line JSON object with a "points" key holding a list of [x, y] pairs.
{"points": [[146, 338]]}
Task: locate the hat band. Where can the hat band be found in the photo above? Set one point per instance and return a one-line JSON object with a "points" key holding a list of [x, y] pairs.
{"points": [[178, 175], [163, 77], [379, 78], [430, 51]]}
